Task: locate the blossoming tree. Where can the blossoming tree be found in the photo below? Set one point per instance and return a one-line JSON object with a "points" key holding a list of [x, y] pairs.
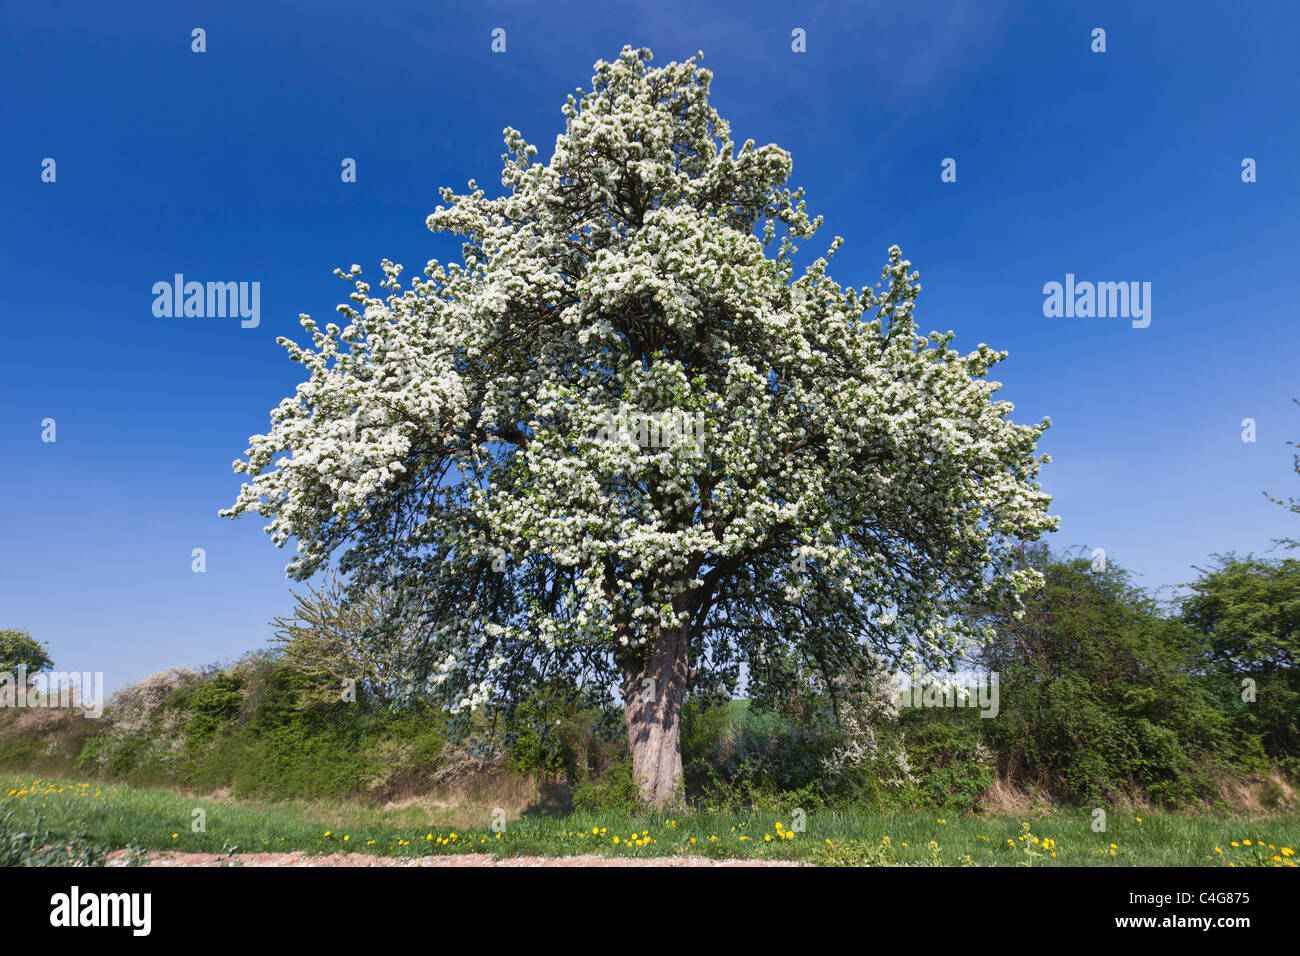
{"points": [[478, 439]]}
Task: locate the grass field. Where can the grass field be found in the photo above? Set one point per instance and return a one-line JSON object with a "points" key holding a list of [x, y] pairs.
{"points": [[119, 816]]}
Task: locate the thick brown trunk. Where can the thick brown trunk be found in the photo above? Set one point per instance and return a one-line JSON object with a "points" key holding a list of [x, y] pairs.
{"points": [[652, 705]]}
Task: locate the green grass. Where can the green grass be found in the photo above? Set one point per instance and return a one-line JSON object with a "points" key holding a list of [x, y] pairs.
{"points": [[117, 816]]}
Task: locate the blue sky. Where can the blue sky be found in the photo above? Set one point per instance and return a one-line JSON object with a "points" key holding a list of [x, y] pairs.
{"points": [[225, 166]]}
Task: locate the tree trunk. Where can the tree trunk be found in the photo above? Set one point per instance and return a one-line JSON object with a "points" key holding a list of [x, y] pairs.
{"points": [[652, 706]]}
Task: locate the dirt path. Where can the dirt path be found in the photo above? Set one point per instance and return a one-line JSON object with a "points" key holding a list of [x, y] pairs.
{"points": [[169, 858]]}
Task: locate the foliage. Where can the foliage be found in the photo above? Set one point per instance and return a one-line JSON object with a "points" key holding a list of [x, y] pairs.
{"points": [[19, 649], [856, 853], [762, 755], [950, 762], [1103, 697], [211, 703], [564, 730], [807, 751], [611, 792], [1246, 612], [1098, 698], [248, 729], [139, 729], [38, 846], [333, 636]]}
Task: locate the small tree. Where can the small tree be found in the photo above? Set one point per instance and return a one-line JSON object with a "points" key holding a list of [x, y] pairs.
{"points": [[331, 637], [1097, 691], [1246, 612], [19, 649], [623, 441]]}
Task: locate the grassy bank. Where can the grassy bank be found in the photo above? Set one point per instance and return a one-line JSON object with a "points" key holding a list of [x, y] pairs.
{"points": [[121, 816]]}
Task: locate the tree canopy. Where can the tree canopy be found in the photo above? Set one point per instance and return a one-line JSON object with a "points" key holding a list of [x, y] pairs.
{"points": [[19, 649]]}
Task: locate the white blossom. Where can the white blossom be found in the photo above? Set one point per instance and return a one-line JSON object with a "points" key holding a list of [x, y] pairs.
{"points": [[650, 264]]}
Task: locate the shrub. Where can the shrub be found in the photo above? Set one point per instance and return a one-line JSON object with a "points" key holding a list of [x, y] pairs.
{"points": [[951, 764], [1245, 613], [1098, 699], [211, 704], [141, 732], [614, 791]]}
